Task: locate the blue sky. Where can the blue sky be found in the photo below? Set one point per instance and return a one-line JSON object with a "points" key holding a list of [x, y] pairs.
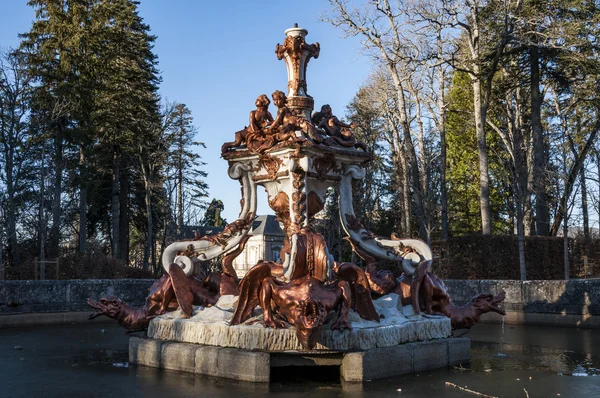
{"points": [[218, 56]]}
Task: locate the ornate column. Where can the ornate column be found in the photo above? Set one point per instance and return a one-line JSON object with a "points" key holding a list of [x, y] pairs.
{"points": [[296, 53]]}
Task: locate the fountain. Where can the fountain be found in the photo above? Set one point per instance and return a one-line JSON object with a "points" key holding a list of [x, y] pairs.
{"points": [[309, 309]]}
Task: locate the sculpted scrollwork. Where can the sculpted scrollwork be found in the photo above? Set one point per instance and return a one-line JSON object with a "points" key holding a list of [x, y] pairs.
{"points": [[324, 164]]}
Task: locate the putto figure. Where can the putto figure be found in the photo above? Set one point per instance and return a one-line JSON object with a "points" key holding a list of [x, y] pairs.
{"points": [[287, 123], [339, 132], [254, 133]]}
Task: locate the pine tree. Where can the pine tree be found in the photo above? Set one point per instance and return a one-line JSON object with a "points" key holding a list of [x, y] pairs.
{"points": [[18, 169], [127, 110], [58, 51], [191, 184]]}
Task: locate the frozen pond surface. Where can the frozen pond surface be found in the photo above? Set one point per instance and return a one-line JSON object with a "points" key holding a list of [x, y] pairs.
{"points": [[91, 360]]}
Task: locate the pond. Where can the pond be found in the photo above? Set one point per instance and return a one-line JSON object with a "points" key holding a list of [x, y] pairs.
{"points": [[89, 360]]}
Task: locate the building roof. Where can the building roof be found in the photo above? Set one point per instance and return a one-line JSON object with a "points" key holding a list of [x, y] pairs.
{"points": [[266, 225], [262, 225], [202, 230]]}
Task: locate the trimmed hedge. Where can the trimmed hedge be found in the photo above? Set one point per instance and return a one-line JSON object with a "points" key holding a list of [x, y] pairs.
{"points": [[79, 266], [497, 257]]}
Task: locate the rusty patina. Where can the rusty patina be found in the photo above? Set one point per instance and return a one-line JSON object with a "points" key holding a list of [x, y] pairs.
{"points": [[172, 291], [305, 301]]}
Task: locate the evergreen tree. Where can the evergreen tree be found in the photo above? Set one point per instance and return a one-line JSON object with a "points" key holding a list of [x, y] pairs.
{"points": [[56, 50], [184, 163], [127, 103], [17, 173]]}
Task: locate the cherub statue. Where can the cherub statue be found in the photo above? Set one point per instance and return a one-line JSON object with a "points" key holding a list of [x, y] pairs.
{"points": [[339, 132], [259, 120], [286, 123]]}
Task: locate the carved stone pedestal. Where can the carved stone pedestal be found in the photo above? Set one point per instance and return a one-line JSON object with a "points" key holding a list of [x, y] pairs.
{"points": [[255, 366], [400, 343]]}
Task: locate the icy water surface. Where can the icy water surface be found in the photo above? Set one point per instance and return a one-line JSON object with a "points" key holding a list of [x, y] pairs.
{"points": [[91, 360]]}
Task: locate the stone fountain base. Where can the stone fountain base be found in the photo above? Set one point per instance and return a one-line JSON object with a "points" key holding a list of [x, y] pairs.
{"points": [[205, 344], [255, 366], [210, 326]]}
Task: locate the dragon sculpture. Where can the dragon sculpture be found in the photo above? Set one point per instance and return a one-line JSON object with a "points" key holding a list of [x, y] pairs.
{"points": [[430, 295], [427, 293], [172, 291], [306, 300]]}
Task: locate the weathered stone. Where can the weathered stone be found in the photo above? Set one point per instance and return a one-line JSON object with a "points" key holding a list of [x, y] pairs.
{"points": [[462, 291], [209, 326], [233, 363], [429, 355], [377, 363], [207, 358], [513, 289], [353, 367], [178, 356], [146, 352], [459, 350], [67, 295], [47, 318], [543, 291]]}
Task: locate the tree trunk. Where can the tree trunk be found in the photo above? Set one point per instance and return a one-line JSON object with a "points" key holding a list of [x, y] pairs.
{"points": [[521, 242], [115, 204], [124, 211], [405, 190], [542, 215], [1, 253], [180, 181], [584, 203], [153, 255], [42, 223], [54, 237], [566, 246], [83, 190], [13, 258], [413, 168], [571, 177], [529, 219], [598, 164], [442, 130], [180, 201], [424, 224], [484, 179], [149, 226]]}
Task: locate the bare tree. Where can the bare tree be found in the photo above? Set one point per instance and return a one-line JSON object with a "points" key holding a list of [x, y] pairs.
{"points": [[479, 54], [399, 52], [513, 132]]}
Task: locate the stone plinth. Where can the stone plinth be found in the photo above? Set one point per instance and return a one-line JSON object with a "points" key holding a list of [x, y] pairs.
{"points": [[205, 344], [210, 326], [255, 366]]}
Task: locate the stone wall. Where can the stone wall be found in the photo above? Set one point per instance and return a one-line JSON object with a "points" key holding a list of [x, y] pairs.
{"points": [[573, 303], [68, 295]]}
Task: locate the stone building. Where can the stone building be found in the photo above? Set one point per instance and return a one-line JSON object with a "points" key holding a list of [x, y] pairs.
{"points": [[266, 240]]}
